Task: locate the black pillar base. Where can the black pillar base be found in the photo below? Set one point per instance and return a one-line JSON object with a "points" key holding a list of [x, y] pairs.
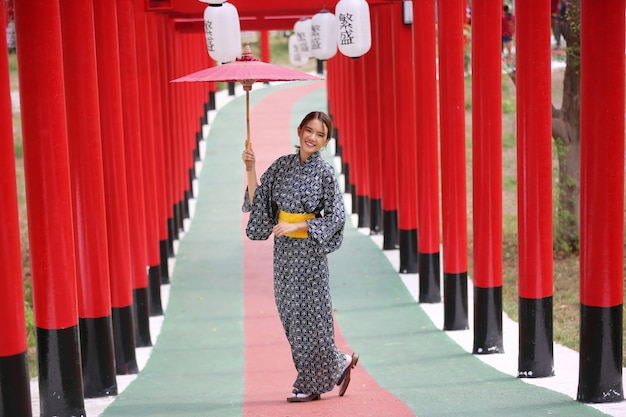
{"points": [[141, 303], [536, 357], [185, 207], [196, 150], [355, 203], [15, 386], [320, 66], [212, 104], [430, 286], [124, 340], [60, 376], [390, 230], [164, 255], [600, 376], [192, 177], [178, 220], [408, 251], [172, 235], [487, 320], [231, 89], [345, 170], [154, 283], [455, 313], [376, 216], [97, 356], [363, 210]]}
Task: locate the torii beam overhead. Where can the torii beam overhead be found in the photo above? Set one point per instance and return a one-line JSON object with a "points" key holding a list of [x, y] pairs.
{"points": [[254, 15]]}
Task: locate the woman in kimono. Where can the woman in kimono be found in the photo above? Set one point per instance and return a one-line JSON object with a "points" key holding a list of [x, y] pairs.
{"points": [[299, 201]]}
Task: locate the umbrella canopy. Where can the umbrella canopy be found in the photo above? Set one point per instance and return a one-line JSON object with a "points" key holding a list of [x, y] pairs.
{"points": [[247, 70]]}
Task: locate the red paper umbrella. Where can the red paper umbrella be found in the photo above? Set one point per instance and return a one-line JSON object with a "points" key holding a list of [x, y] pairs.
{"points": [[247, 70]]}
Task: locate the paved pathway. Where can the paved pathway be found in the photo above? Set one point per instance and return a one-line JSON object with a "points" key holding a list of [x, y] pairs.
{"points": [[221, 351]]}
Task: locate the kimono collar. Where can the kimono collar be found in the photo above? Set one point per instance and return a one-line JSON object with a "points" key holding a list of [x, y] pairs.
{"points": [[314, 156]]}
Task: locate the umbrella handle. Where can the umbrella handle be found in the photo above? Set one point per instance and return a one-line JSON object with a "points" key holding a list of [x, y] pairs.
{"points": [[248, 143]]}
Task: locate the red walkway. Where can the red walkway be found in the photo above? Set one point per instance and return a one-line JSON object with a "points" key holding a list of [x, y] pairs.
{"points": [[268, 370]]}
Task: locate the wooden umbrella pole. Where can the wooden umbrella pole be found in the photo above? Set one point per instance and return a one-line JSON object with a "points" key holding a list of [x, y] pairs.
{"points": [[247, 86]]}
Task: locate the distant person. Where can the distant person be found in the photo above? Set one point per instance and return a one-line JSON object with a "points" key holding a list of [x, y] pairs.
{"points": [[563, 18], [555, 6], [298, 200], [508, 31]]}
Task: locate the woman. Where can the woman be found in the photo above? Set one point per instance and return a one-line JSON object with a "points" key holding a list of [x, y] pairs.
{"points": [[299, 201]]}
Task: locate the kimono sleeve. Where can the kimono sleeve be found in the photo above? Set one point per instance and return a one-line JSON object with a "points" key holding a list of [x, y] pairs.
{"points": [[327, 230], [263, 212]]}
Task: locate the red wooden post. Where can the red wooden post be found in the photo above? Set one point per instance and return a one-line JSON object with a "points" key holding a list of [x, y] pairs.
{"points": [[534, 173], [265, 45], [602, 201], [360, 135], [149, 170], [453, 189], [85, 146], [44, 136], [406, 141], [487, 175], [14, 381], [374, 138], [343, 115], [427, 151], [388, 90], [115, 185], [165, 243], [134, 157]]}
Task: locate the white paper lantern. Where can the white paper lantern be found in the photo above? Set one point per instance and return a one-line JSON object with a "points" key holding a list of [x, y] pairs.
{"points": [[354, 31], [302, 29], [223, 32], [296, 57], [324, 35], [215, 2]]}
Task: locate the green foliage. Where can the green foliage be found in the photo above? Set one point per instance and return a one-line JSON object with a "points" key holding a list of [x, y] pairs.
{"points": [[508, 140], [508, 105]]}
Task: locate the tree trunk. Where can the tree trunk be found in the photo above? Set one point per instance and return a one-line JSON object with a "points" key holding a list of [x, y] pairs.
{"points": [[566, 134]]}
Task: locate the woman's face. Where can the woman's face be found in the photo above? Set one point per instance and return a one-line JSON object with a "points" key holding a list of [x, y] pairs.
{"points": [[313, 136]]}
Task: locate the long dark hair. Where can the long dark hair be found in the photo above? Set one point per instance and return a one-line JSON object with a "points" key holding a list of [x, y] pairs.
{"points": [[323, 117]]}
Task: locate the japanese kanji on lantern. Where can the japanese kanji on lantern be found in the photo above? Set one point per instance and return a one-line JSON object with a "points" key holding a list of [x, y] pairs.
{"points": [[354, 31], [296, 57], [222, 30], [302, 31], [324, 35]]}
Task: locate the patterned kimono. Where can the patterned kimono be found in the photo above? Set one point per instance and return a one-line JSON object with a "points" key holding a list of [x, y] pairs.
{"points": [[301, 278]]}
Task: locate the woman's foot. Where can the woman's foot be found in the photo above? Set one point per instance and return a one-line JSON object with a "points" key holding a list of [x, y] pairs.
{"points": [[302, 397], [344, 380]]}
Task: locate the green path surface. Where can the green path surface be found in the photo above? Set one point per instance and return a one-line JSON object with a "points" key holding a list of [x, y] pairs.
{"points": [[196, 366]]}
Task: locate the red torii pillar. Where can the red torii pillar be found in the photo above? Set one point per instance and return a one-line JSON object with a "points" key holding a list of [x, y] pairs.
{"points": [[375, 137], [403, 63], [387, 81], [134, 155], [90, 229], [360, 135], [165, 243], [534, 173], [487, 175], [115, 184], [149, 154], [602, 201], [427, 151], [49, 200], [14, 381], [453, 163]]}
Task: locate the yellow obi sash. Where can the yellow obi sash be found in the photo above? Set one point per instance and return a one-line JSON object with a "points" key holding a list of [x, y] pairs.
{"points": [[283, 216]]}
